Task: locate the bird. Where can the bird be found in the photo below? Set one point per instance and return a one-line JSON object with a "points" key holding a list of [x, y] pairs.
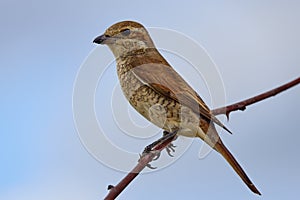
{"points": [[159, 93]]}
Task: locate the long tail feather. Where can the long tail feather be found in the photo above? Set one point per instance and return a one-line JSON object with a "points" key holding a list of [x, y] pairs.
{"points": [[220, 147]]}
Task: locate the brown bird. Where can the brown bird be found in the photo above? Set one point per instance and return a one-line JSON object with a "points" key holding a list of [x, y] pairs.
{"points": [[159, 93]]}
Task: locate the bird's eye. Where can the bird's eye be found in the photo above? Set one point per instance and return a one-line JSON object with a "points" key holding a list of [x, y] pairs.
{"points": [[125, 32]]}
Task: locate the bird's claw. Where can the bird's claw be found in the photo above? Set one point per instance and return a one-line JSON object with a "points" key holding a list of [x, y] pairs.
{"points": [[147, 150], [170, 149], [150, 166], [156, 156]]}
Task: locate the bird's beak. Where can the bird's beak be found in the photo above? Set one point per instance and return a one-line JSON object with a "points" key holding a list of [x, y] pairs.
{"points": [[100, 39]]}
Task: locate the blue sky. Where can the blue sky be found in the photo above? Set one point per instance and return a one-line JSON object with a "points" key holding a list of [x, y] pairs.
{"points": [[43, 44]]}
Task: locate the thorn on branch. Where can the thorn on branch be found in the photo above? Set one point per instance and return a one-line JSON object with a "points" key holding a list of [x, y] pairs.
{"points": [[109, 187], [243, 104], [242, 107]]}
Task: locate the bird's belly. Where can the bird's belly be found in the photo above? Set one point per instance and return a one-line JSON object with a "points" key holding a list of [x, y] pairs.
{"points": [[162, 111]]}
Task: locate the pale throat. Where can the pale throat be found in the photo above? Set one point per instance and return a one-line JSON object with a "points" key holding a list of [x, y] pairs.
{"points": [[126, 47]]}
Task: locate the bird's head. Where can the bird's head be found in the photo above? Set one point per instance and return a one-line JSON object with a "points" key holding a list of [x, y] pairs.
{"points": [[124, 38]]}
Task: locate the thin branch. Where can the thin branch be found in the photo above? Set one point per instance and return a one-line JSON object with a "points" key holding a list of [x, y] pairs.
{"points": [[144, 161], [243, 104], [146, 158], [114, 191]]}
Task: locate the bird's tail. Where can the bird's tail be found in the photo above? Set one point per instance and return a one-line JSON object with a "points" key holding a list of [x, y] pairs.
{"points": [[221, 148]]}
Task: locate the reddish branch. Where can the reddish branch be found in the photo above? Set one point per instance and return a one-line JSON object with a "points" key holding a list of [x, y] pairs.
{"points": [[114, 191], [145, 159], [243, 104]]}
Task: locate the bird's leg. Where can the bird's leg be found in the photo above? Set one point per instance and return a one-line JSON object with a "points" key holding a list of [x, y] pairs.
{"points": [[170, 147]]}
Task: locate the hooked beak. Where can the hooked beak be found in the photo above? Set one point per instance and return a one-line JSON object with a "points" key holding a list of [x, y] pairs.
{"points": [[100, 39]]}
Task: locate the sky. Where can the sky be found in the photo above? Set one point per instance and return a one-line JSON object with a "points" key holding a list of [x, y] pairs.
{"points": [[45, 45]]}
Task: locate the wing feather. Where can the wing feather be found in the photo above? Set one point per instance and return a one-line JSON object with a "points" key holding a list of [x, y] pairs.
{"points": [[162, 78]]}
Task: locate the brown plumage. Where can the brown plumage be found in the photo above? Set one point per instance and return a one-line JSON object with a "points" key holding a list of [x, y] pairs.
{"points": [[159, 93]]}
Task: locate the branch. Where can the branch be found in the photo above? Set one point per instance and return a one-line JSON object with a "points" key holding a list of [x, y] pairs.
{"points": [[243, 104], [114, 191], [144, 161], [146, 158]]}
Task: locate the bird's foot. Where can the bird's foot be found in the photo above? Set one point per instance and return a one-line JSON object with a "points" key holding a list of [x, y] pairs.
{"points": [[169, 148], [149, 149], [149, 165]]}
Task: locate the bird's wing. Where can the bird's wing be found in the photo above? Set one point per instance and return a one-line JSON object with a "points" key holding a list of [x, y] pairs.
{"points": [[165, 80]]}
